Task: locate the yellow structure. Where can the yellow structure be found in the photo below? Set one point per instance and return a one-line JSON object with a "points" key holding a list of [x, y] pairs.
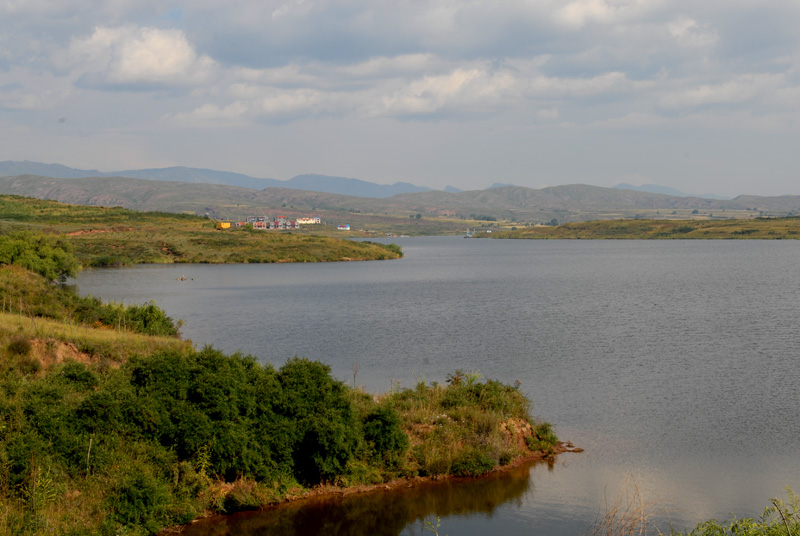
{"points": [[223, 225]]}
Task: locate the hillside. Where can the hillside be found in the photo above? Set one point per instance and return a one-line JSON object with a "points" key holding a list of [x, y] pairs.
{"points": [[441, 211]]}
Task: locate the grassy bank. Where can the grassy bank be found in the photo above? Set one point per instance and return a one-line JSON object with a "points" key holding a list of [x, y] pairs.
{"points": [[113, 236], [758, 228], [108, 430]]}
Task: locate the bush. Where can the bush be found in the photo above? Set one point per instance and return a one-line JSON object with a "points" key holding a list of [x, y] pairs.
{"points": [[472, 462], [324, 435], [77, 374], [382, 429], [139, 501]]}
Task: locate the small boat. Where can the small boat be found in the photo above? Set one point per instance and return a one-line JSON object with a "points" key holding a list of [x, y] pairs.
{"points": [[469, 234]]}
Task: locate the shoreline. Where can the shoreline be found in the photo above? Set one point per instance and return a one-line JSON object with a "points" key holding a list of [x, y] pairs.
{"points": [[327, 491]]}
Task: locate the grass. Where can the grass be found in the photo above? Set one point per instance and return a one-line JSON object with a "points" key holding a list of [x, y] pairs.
{"points": [[758, 228], [469, 426], [50, 341], [629, 514]]}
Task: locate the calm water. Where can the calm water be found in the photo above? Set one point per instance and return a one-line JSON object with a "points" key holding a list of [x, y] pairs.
{"points": [[672, 362]]}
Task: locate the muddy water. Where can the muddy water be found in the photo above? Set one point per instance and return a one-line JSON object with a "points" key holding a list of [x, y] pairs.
{"points": [[407, 509]]}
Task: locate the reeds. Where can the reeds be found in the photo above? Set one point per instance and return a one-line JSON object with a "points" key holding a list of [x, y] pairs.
{"points": [[629, 514]]}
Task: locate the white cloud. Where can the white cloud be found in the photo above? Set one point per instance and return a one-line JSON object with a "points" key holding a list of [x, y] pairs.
{"points": [[130, 56], [462, 89]]}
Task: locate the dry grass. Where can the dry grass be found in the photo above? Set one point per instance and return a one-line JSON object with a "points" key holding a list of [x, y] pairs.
{"points": [[629, 514], [53, 341]]}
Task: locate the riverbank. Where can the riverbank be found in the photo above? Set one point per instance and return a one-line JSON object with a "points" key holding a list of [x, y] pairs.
{"points": [[645, 229], [113, 236]]}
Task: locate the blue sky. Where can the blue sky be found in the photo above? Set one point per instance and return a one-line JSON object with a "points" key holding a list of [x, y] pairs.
{"points": [[702, 96]]}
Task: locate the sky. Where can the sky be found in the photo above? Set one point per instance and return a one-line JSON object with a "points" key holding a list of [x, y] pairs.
{"points": [[702, 96]]}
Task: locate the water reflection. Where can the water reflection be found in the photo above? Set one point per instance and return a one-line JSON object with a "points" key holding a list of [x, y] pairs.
{"points": [[381, 513]]}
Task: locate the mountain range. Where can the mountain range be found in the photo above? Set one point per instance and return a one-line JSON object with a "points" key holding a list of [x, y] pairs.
{"points": [[310, 182], [225, 195]]}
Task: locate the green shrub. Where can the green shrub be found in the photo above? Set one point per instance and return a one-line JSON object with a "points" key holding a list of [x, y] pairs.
{"points": [[382, 429], [324, 433], [140, 500], [78, 375], [45, 255], [472, 462]]}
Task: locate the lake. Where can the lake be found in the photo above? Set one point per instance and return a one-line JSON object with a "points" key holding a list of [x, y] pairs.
{"points": [[672, 363]]}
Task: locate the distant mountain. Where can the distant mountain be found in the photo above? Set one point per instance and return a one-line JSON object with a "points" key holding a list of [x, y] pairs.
{"points": [[10, 168], [666, 190], [573, 202], [499, 185], [315, 183], [346, 186], [452, 189]]}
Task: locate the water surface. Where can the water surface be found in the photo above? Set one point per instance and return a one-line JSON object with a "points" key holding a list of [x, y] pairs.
{"points": [[675, 362]]}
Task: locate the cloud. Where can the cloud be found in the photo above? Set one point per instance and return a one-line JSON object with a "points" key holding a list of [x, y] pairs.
{"points": [[581, 12], [21, 90], [460, 90], [739, 90], [408, 69], [689, 33], [137, 58]]}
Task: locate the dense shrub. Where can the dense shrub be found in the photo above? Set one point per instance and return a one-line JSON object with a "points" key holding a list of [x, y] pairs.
{"points": [[472, 462], [150, 442], [324, 436], [207, 401], [382, 429], [48, 256], [140, 500], [147, 318], [78, 375]]}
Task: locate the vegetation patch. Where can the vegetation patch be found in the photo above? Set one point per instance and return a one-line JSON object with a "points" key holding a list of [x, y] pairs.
{"points": [[106, 236], [641, 229]]}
